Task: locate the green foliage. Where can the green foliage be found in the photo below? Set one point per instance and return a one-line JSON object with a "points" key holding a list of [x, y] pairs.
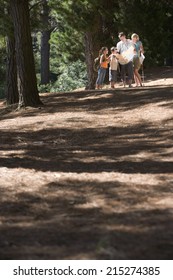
{"points": [[66, 45], [73, 76], [44, 88], [6, 25]]}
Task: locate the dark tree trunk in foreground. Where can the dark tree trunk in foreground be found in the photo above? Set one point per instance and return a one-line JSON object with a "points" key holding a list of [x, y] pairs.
{"points": [[89, 53], [45, 46], [27, 84], [12, 95]]}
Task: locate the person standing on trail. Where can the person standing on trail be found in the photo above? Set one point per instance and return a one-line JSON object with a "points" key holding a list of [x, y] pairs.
{"points": [[104, 60], [122, 46], [136, 59], [113, 66]]}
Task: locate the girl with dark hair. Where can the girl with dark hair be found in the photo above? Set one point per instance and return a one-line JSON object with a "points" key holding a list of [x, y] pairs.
{"points": [[104, 60]]}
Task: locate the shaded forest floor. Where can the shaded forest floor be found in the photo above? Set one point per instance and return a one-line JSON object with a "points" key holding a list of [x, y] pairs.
{"points": [[89, 175]]}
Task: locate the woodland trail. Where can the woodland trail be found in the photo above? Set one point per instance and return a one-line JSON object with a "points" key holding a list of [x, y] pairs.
{"points": [[88, 176]]}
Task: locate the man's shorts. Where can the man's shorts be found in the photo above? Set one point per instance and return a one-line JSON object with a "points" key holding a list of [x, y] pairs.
{"points": [[112, 75]]}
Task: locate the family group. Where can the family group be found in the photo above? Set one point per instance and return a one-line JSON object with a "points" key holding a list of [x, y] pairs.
{"points": [[129, 69]]}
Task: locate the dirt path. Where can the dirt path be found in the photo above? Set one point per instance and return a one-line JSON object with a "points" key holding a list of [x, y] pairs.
{"points": [[89, 176]]}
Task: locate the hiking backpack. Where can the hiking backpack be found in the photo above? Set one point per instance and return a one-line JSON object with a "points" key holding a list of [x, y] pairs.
{"points": [[96, 65]]}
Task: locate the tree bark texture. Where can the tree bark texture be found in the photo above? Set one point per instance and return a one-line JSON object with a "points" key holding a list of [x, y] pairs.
{"points": [[89, 53], [11, 92], [92, 46], [45, 46], [27, 84], [45, 57]]}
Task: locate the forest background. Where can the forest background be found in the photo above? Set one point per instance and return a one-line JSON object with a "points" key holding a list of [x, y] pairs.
{"points": [[64, 37]]}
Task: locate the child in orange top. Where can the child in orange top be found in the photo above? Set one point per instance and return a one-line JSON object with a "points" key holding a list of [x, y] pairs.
{"points": [[104, 60]]}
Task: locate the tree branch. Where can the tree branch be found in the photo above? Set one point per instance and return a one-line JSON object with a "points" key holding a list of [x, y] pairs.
{"points": [[36, 4]]}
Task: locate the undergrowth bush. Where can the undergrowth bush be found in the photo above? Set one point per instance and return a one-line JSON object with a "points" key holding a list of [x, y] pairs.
{"points": [[73, 76]]}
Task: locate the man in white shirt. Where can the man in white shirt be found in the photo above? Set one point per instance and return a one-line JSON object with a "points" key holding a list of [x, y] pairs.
{"points": [[122, 46]]}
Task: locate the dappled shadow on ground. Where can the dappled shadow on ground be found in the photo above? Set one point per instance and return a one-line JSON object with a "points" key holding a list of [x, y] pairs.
{"points": [[48, 225], [95, 101], [77, 152], [118, 99], [88, 176], [89, 150]]}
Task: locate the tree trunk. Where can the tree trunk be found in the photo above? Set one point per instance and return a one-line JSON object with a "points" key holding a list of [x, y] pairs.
{"points": [[12, 94], [45, 46], [89, 53], [45, 55], [27, 84]]}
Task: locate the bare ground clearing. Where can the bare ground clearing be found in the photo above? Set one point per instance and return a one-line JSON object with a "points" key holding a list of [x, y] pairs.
{"points": [[89, 175]]}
